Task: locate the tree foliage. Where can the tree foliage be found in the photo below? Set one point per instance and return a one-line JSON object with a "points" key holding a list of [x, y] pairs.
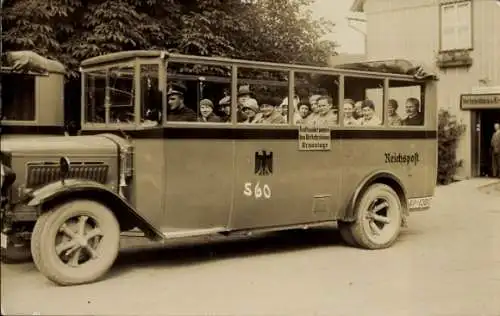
{"points": [[449, 133], [73, 30]]}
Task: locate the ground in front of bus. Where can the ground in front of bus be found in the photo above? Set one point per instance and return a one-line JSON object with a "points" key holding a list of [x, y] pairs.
{"points": [[446, 263]]}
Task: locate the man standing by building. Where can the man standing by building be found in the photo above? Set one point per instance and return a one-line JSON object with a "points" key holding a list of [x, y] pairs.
{"points": [[495, 151]]}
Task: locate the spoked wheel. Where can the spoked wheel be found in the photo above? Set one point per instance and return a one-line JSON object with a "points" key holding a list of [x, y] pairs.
{"points": [[75, 243], [379, 218]]}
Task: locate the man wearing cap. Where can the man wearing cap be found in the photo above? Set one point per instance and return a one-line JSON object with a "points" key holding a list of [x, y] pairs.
{"points": [[177, 110], [225, 109], [244, 94]]}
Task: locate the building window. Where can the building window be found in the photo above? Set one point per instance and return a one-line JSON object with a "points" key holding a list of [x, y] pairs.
{"points": [[456, 26], [18, 97]]}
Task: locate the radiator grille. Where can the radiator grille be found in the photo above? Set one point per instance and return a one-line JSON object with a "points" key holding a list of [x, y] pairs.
{"points": [[43, 173]]}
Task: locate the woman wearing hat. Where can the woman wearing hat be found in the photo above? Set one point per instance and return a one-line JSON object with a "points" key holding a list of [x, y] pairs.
{"points": [[207, 112], [269, 114], [250, 111]]}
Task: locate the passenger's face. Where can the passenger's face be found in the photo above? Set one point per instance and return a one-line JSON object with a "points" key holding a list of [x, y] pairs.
{"points": [[303, 111], [390, 109], [410, 108], [357, 108], [284, 110], [497, 126], [367, 112], [227, 109], [248, 113], [314, 104], [205, 110], [348, 110], [243, 98], [266, 109], [323, 107], [174, 101]]}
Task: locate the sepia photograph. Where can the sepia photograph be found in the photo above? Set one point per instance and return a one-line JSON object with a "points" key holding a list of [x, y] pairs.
{"points": [[250, 157]]}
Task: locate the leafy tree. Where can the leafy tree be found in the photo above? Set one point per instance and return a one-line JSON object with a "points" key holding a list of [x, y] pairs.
{"points": [[449, 132], [73, 30]]}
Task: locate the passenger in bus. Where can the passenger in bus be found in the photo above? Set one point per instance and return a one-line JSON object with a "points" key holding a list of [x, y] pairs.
{"points": [[283, 110], [225, 109], [207, 112], [250, 109], [349, 119], [415, 117], [313, 102], [268, 113], [300, 117], [392, 114], [358, 112], [152, 118], [369, 117], [326, 115], [244, 93], [177, 110]]}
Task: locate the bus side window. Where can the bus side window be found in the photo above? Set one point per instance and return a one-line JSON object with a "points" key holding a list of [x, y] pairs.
{"points": [[405, 106], [262, 96], [95, 96], [18, 97], [151, 97], [198, 93], [367, 95], [121, 95], [318, 99]]}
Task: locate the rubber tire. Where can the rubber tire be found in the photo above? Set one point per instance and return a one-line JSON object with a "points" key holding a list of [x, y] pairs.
{"points": [[356, 230], [43, 243]]}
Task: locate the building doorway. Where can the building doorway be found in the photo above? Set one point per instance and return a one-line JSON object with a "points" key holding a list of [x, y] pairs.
{"points": [[486, 120]]}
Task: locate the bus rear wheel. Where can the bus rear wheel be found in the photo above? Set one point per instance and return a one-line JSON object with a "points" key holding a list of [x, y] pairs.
{"points": [[75, 243], [378, 220]]}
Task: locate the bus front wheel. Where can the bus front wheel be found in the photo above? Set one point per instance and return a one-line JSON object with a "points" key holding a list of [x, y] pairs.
{"points": [[75, 243], [378, 219]]}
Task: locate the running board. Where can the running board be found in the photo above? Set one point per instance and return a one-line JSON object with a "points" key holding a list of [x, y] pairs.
{"points": [[172, 233], [194, 232]]}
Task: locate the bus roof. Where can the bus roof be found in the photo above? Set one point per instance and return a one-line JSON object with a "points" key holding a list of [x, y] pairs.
{"points": [[394, 68], [29, 61]]}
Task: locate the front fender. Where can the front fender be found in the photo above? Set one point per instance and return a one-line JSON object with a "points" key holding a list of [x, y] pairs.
{"points": [[57, 192], [379, 176]]}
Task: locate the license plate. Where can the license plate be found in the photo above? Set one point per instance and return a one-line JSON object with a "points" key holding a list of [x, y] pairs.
{"points": [[4, 240]]}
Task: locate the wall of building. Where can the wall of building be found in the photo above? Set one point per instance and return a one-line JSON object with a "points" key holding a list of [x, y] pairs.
{"points": [[410, 29]]}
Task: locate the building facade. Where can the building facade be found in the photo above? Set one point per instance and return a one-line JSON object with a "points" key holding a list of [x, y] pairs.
{"points": [[460, 41]]}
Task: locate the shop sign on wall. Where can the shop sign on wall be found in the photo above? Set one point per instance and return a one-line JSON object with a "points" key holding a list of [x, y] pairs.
{"points": [[480, 101]]}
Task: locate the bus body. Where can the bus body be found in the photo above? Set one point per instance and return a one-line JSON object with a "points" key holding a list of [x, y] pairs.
{"points": [[135, 167]]}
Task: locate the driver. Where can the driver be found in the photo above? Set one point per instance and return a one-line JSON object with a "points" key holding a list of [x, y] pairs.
{"points": [[177, 110]]}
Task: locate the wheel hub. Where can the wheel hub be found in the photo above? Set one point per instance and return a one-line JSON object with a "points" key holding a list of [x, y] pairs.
{"points": [[77, 240]]}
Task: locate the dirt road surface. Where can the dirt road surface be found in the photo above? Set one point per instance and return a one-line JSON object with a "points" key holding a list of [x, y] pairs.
{"points": [[447, 262]]}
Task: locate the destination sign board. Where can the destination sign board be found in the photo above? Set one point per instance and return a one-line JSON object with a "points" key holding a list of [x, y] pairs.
{"points": [[314, 138]]}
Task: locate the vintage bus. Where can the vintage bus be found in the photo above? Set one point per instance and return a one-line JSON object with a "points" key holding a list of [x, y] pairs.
{"points": [[184, 146]]}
